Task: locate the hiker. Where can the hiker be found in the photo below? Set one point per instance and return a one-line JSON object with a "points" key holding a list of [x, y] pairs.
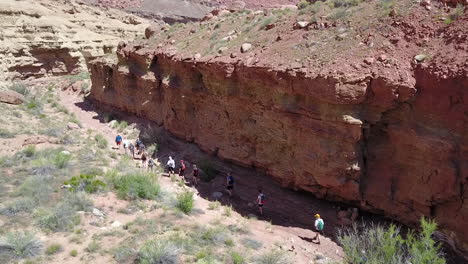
{"points": [[229, 184], [260, 201], [182, 169], [138, 143], [118, 141], [196, 173], [126, 143], [170, 166], [144, 157], [319, 224], [131, 147], [151, 164]]}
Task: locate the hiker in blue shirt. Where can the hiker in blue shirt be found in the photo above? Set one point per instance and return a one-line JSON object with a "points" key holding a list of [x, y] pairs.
{"points": [[118, 141]]}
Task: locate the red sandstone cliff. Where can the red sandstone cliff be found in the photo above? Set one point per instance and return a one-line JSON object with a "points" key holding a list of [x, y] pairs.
{"points": [[390, 138]]}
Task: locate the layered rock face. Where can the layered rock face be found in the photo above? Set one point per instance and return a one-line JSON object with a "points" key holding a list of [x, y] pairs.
{"points": [[394, 147], [39, 38]]}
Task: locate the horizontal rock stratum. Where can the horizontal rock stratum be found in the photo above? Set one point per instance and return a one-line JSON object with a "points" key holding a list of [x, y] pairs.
{"points": [[378, 130]]}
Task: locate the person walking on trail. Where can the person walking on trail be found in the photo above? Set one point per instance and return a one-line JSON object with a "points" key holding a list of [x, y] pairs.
{"points": [[144, 157], [229, 184], [260, 201], [126, 143], [170, 166], [151, 164], [319, 224], [195, 175], [131, 148], [182, 169], [118, 141]]}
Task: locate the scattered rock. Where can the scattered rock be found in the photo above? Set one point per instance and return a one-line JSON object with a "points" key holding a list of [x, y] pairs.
{"points": [[150, 31], [116, 224], [98, 212], [217, 195], [209, 16], [11, 97], [341, 36], [72, 126], [425, 2], [420, 57], [351, 120], [65, 152], [270, 26], [278, 38], [222, 50], [173, 41], [246, 47], [238, 5], [233, 55], [301, 25], [369, 61], [197, 56], [382, 58]]}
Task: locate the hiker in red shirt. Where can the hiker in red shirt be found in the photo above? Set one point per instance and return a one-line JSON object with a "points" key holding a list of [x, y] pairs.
{"points": [[182, 169]]}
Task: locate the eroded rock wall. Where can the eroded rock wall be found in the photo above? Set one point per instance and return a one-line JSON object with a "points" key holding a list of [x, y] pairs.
{"points": [[392, 145]]}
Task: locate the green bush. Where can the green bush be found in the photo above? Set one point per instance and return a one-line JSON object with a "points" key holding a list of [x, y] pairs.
{"points": [[343, 3], [74, 253], [61, 160], [136, 185], [21, 244], [6, 134], [18, 206], [37, 187], [209, 172], [237, 258], [53, 249], [29, 151], [79, 201], [93, 247], [20, 88], [185, 202], [85, 182], [159, 251], [377, 244], [101, 142], [303, 4], [124, 255]]}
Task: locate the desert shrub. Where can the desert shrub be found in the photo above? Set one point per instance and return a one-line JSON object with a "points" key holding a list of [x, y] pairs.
{"points": [[101, 141], [227, 210], [63, 216], [124, 254], [159, 251], [6, 134], [61, 160], [74, 253], [54, 131], [455, 14], [343, 3], [136, 185], [36, 187], [237, 258], [185, 202], [214, 235], [53, 249], [377, 244], [273, 257], [303, 4], [21, 244], [214, 205], [251, 243], [29, 151], [85, 182], [15, 207], [209, 172], [20, 88], [93, 247]]}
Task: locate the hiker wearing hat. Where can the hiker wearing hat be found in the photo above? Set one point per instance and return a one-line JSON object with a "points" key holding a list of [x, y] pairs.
{"points": [[319, 224]]}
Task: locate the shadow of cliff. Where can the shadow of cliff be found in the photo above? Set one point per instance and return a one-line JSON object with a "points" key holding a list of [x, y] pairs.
{"points": [[284, 207]]}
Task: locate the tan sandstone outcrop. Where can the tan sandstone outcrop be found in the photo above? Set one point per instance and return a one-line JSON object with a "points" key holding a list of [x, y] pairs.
{"points": [[40, 38]]}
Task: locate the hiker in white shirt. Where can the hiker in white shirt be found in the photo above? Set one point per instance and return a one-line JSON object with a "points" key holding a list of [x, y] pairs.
{"points": [[319, 224], [170, 166]]}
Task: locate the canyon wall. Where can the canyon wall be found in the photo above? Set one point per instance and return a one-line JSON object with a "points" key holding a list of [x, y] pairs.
{"points": [[389, 143], [43, 38]]}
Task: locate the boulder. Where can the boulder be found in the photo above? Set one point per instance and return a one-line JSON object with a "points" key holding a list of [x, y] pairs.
{"points": [[72, 126], [150, 31], [11, 97], [301, 25], [369, 61], [98, 212], [217, 195], [246, 47], [116, 224]]}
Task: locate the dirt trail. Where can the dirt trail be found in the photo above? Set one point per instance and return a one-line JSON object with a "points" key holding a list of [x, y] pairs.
{"points": [[278, 223]]}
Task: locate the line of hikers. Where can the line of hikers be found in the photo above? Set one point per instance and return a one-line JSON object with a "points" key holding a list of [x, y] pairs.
{"points": [[149, 163]]}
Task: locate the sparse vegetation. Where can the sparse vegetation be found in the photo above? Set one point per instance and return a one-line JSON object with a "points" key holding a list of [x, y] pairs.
{"points": [[237, 258], [377, 244], [251, 243], [93, 247], [74, 253], [135, 185], [21, 244], [53, 249], [455, 14], [101, 141], [273, 257], [159, 251], [85, 182], [185, 202]]}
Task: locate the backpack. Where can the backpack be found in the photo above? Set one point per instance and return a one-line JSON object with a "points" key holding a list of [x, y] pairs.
{"points": [[262, 198], [320, 225], [151, 162]]}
